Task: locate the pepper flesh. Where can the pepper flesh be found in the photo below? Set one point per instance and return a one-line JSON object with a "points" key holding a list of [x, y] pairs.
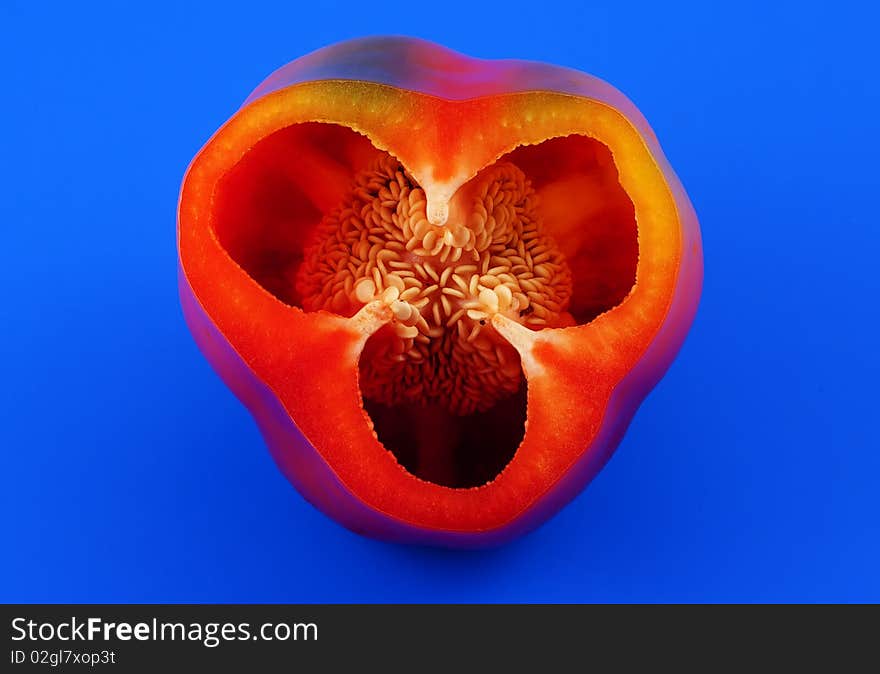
{"points": [[447, 120]]}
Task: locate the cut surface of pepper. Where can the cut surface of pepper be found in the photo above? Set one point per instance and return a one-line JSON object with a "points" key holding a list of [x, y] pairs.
{"points": [[441, 285]]}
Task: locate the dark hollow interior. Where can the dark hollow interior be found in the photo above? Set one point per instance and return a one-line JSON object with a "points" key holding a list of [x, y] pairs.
{"points": [[267, 206], [454, 451]]}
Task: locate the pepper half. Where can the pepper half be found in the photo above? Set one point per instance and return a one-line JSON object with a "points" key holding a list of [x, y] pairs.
{"points": [[441, 285]]}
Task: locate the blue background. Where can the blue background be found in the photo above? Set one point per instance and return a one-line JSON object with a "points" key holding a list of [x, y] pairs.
{"points": [[131, 474]]}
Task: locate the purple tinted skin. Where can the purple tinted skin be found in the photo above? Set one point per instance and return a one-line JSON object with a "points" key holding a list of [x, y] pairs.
{"points": [[427, 68]]}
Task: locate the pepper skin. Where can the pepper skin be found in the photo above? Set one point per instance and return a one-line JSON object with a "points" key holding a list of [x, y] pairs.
{"points": [[441, 285]]}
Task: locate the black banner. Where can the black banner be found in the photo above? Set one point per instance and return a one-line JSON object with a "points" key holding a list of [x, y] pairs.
{"points": [[135, 638]]}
